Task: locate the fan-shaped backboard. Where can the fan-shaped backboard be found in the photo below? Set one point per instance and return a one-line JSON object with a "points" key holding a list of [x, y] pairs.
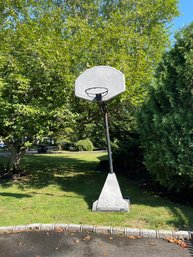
{"points": [[99, 83]]}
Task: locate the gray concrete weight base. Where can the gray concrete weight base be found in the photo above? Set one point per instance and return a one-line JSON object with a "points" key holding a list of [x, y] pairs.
{"points": [[111, 198]]}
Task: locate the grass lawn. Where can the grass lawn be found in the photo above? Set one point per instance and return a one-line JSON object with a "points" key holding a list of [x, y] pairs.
{"points": [[60, 188]]}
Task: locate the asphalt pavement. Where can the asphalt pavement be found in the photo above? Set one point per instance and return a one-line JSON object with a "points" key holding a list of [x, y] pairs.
{"points": [[85, 244]]}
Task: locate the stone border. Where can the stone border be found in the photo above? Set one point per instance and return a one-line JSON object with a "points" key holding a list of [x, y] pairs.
{"points": [[129, 232]]}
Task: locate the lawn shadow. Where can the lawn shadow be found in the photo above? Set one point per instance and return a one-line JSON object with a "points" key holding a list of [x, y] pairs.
{"points": [[82, 177], [19, 196], [71, 174], [183, 214]]}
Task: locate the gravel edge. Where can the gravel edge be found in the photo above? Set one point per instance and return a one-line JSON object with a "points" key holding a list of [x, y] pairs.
{"points": [[108, 230]]}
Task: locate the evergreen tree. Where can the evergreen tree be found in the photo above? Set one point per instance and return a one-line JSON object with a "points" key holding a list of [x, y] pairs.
{"points": [[166, 117]]}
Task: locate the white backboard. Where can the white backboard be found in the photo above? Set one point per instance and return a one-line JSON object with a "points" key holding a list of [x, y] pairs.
{"points": [[103, 81]]}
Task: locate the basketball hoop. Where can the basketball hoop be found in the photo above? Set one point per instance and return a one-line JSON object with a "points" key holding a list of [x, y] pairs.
{"points": [[100, 84], [97, 92]]}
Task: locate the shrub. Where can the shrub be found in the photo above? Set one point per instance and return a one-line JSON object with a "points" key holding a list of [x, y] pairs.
{"points": [[84, 145], [166, 119], [128, 156], [68, 146]]}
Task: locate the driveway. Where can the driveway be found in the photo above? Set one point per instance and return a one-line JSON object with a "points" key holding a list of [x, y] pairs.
{"points": [[85, 244]]}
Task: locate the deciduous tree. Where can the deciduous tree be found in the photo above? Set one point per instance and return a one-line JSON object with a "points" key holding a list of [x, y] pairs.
{"points": [[45, 45]]}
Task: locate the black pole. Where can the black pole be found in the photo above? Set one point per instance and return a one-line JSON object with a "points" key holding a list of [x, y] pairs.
{"points": [[104, 110]]}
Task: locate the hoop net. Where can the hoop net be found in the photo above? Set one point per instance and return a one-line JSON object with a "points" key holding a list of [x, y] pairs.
{"points": [[95, 91]]}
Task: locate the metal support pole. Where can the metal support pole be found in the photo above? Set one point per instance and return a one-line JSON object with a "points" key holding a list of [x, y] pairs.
{"points": [[104, 110]]}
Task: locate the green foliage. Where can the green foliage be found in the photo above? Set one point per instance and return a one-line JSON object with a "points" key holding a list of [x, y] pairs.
{"points": [[84, 145], [45, 45], [62, 138], [128, 156], [166, 118], [34, 94], [128, 35]]}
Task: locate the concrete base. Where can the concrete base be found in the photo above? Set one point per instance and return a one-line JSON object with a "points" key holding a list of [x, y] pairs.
{"points": [[111, 198]]}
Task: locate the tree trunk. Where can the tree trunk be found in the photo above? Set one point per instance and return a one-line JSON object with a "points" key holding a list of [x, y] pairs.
{"points": [[17, 153], [59, 147]]}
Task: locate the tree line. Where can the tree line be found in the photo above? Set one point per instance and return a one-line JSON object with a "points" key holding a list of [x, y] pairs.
{"points": [[45, 45]]}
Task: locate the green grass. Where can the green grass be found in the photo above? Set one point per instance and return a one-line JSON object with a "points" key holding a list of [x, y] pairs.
{"points": [[61, 189]]}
